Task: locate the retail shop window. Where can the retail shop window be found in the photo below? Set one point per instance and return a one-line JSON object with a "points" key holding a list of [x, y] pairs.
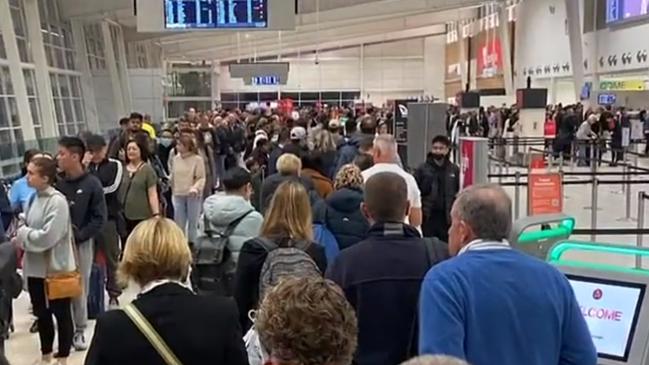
{"points": [[13, 112]]}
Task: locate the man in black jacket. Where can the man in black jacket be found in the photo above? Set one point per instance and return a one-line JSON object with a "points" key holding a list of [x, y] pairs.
{"points": [[381, 276], [88, 215], [439, 182], [109, 172]]}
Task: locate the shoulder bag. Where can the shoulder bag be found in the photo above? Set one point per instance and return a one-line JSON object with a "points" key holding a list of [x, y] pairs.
{"points": [[64, 284], [151, 335]]}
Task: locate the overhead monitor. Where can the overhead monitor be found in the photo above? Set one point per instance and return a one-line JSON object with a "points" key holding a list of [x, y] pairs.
{"points": [[216, 14], [612, 309], [626, 10], [606, 99]]}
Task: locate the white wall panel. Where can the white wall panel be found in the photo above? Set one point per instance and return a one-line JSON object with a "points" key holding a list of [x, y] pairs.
{"points": [[146, 90], [106, 113]]}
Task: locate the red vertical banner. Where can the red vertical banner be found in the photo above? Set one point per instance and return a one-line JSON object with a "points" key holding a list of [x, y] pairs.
{"points": [[467, 148]]}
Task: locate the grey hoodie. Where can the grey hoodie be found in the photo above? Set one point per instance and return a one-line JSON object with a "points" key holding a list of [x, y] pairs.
{"points": [[46, 236], [222, 209]]}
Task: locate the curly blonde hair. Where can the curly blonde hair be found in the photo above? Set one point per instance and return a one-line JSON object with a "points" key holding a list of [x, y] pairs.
{"points": [[349, 176], [307, 321]]}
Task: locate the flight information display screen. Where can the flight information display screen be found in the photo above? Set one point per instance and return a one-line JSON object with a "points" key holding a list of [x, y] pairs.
{"points": [[611, 309], [216, 14], [621, 10]]}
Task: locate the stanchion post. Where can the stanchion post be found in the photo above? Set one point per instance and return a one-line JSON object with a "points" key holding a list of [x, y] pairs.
{"points": [[641, 200], [593, 212], [627, 178], [517, 195], [500, 173]]}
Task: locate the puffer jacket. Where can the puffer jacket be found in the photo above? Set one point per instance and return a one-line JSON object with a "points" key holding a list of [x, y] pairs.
{"points": [[341, 213], [221, 209]]}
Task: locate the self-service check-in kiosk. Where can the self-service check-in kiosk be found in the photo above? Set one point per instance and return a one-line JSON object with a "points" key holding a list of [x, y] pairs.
{"points": [[612, 299], [535, 235]]}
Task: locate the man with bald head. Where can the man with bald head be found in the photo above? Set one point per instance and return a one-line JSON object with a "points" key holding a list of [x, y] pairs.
{"points": [[381, 275], [386, 159], [494, 305]]}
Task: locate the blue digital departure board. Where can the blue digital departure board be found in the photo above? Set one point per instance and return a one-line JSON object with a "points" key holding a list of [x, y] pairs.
{"points": [[216, 14]]}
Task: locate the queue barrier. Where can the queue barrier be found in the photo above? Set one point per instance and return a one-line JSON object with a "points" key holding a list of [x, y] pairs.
{"points": [[555, 256], [535, 235]]}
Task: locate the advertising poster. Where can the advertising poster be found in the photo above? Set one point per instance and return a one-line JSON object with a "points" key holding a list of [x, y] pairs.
{"points": [[544, 193], [467, 149], [490, 58], [401, 121], [611, 314]]}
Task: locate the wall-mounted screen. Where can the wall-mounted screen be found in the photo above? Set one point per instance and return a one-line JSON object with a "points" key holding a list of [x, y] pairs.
{"points": [[611, 309], [215, 14], [606, 99], [623, 10]]}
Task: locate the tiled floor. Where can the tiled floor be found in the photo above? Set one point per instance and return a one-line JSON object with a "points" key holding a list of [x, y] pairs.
{"points": [[22, 347]]}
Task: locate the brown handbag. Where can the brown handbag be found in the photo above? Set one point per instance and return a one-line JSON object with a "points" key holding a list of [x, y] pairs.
{"points": [[62, 285]]}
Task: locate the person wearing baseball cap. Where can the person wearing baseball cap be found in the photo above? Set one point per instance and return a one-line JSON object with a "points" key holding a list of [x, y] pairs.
{"points": [[297, 145]]}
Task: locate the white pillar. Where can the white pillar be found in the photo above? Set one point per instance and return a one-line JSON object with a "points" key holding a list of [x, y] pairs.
{"points": [[434, 70], [87, 87], [214, 75], [43, 83], [111, 63], [576, 45], [16, 71], [506, 46], [124, 78]]}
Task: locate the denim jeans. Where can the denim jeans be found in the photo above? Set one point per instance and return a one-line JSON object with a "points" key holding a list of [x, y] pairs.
{"points": [[86, 252], [187, 210]]}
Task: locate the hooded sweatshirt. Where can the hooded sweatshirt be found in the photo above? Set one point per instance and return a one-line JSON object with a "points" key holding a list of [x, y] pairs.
{"points": [[87, 205], [222, 209]]}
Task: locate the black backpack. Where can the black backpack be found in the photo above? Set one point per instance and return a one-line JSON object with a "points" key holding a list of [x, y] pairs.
{"points": [[213, 268]]}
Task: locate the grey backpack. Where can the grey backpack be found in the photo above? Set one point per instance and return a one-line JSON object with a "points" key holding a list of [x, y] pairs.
{"points": [[284, 262]]}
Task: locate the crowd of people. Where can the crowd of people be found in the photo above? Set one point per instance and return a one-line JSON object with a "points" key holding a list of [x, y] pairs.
{"points": [[297, 238]]}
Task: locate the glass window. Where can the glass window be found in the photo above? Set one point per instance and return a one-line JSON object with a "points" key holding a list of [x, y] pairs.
{"points": [[59, 60], [55, 84], [29, 81], [3, 53], [13, 112], [58, 110], [69, 60], [78, 110], [4, 116], [5, 77], [62, 131], [23, 51], [35, 109], [19, 25], [67, 109], [38, 132], [75, 87], [5, 136], [63, 85]]}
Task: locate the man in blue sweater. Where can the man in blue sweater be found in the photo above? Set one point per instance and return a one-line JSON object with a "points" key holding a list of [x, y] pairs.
{"points": [[494, 305]]}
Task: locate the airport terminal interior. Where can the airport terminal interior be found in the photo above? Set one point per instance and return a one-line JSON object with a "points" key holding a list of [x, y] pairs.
{"points": [[252, 151]]}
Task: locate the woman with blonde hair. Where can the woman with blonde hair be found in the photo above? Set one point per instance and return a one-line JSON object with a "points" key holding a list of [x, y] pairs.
{"points": [[287, 224], [341, 212], [157, 258], [325, 144]]}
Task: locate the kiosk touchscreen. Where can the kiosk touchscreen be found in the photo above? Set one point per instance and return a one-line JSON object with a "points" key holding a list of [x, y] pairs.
{"points": [[616, 311]]}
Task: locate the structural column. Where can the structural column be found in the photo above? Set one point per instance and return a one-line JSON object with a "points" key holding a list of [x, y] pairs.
{"points": [[215, 72], [505, 41], [87, 87], [361, 70], [576, 45], [16, 72], [43, 83], [123, 76], [111, 63], [434, 70]]}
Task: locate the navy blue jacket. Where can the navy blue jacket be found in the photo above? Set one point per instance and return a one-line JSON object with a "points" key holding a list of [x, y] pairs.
{"points": [[348, 149], [341, 214], [381, 277]]}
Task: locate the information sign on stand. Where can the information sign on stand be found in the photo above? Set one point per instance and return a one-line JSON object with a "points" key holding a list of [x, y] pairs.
{"points": [[544, 193]]}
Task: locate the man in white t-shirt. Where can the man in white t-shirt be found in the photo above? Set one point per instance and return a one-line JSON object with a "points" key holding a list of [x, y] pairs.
{"points": [[386, 160]]}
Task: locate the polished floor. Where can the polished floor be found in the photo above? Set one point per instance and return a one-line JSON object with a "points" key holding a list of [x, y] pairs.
{"points": [[22, 347]]}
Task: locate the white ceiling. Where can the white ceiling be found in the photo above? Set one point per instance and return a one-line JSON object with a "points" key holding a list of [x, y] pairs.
{"points": [[338, 24]]}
